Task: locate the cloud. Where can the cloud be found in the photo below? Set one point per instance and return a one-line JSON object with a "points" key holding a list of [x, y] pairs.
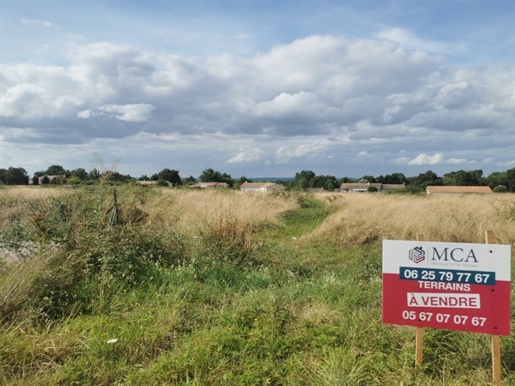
{"points": [[436, 159], [249, 155], [407, 40], [41, 23], [316, 98], [424, 159], [140, 112], [286, 153]]}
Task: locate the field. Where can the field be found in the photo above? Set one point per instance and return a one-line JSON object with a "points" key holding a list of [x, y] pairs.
{"points": [[158, 286]]}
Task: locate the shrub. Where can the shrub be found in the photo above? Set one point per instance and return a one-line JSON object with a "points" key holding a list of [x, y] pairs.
{"points": [[74, 181], [162, 182], [500, 189], [84, 253], [372, 189]]}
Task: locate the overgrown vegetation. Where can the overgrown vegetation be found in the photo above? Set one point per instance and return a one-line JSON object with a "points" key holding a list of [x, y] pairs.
{"points": [[209, 287]]}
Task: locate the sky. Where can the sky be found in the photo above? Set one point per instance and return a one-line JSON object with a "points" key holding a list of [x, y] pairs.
{"points": [[262, 88]]}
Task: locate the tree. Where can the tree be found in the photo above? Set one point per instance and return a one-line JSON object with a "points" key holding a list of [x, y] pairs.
{"points": [[15, 176], [243, 179], [427, 178], [55, 170], [228, 179], [170, 176], [510, 177], [80, 173], [463, 178], [210, 175], [303, 179], [94, 174], [324, 181], [395, 178], [370, 179], [189, 180]]}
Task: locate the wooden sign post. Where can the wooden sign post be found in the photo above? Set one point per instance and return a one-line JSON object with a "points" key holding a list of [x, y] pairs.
{"points": [[419, 337], [496, 346]]}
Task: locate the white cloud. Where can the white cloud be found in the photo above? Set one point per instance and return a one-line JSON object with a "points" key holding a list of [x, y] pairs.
{"points": [[316, 98], [405, 39], [85, 114], [286, 153], [456, 161], [41, 23], [249, 155], [139, 112], [424, 159]]}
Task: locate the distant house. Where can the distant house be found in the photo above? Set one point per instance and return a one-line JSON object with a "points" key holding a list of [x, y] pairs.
{"points": [[363, 187], [261, 187], [59, 179], [151, 183], [458, 189], [204, 185]]}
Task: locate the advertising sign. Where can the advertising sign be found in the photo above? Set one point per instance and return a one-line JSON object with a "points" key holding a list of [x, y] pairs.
{"points": [[453, 286]]}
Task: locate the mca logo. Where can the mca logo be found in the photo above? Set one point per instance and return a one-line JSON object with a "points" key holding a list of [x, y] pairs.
{"points": [[417, 255]]}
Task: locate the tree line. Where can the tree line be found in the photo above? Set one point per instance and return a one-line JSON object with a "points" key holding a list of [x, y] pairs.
{"points": [[305, 179]]}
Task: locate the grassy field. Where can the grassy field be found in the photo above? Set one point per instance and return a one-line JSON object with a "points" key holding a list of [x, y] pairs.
{"points": [[226, 288]]}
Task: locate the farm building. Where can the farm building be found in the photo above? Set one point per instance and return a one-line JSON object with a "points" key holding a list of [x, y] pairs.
{"points": [[458, 189], [261, 187], [151, 183], [59, 179], [204, 185], [363, 187]]}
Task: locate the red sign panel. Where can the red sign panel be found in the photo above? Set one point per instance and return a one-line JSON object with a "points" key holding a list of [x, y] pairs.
{"points": [[451, 286]]}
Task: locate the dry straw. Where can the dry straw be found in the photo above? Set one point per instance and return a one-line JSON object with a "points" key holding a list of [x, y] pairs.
{"points": [[367, 218]]}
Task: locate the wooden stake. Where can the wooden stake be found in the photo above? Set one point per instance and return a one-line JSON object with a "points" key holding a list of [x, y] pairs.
{"points": [[496, 346], [419, 336]]}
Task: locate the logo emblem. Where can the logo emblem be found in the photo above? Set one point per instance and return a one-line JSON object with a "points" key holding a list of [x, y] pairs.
{"points": [[417, 255]]}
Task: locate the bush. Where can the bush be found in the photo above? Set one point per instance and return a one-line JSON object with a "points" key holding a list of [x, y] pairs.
{"points": [[500, 189], [409, 189], [85, 254], [372, 189], [74, 181], [162, 182]]}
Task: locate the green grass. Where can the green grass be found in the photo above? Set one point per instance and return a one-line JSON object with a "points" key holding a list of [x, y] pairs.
{"points": [[283, 313]]}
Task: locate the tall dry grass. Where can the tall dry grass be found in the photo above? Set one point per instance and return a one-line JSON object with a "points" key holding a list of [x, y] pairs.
{"points": [[194, 210], [368, 218], [29, 192]]}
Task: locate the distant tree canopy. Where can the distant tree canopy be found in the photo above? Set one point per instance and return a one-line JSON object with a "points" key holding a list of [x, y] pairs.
{"points": [[55, 170], [425, 179], [308, 179], [14, 176], [80, 173], [303, 180], [370, 179], [170, 176], [395, 178], [189, 180], [210, 175], [463, 178]]}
